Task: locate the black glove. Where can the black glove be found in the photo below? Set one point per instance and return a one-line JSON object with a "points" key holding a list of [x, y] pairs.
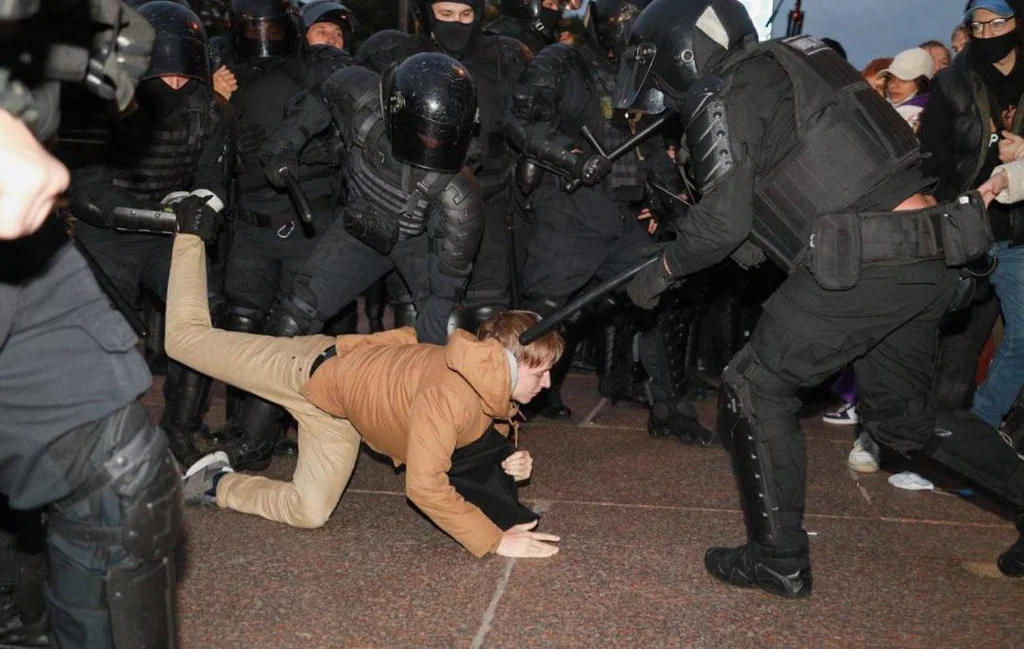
{"points": [[249, 137], [275, 164], [648, 285], [592, 169], [195, 216], [320, 151]]}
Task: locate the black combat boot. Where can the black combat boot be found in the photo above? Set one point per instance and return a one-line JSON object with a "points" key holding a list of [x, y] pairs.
{"points": [[678, 420], [787, 574]]}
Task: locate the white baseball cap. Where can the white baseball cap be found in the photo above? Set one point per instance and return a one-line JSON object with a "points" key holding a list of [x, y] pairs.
{"points": [[909, 65]]}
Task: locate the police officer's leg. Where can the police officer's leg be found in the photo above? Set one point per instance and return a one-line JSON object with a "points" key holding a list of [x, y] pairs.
{"points": [[964, 335], [400, 297], [376, 299], [336, 272], [112, 541], [186, 392], [251, 277], [663, 346], [22, 574], [562, 256], [488, 291]]}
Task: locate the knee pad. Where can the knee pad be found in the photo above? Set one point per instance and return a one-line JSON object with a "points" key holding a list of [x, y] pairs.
{"points": [[113, 541], [243, 319]]}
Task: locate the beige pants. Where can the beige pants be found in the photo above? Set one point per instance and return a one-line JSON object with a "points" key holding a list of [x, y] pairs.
{"points": [[274, 369]]}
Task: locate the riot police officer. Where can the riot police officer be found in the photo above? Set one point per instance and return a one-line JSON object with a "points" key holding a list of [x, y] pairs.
{"points": [[411, 206], [269, 242], [73, 437], [456, 29], [326, 22], [800, 162], [591, 232], [175, 151], [534, 23]]}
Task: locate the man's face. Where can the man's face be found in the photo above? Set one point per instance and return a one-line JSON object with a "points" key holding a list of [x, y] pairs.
{"points": [[175, 81], [959, 41], [986, 24], [326, 34], [530, 381], [940, 58], [453, 12], [551, 4]]}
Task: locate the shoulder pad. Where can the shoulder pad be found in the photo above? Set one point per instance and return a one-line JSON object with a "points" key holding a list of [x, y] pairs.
{"points": [[513, 50], [387, 47], [548, 69], [348, 88]]}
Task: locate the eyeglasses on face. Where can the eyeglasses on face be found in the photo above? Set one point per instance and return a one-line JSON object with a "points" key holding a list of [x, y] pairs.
{"points": [[996, 26]]}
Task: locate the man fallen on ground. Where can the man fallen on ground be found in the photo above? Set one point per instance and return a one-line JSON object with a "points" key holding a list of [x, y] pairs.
{"points": [[443, 412]]}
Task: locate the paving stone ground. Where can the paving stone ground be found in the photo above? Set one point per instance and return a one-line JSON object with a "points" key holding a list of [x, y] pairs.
{"points": [[892, 568]]}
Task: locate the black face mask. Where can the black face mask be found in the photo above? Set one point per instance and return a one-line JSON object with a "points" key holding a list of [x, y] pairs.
{"points": [[454, 37], [995, 49], [547, 22], [156, 96]]}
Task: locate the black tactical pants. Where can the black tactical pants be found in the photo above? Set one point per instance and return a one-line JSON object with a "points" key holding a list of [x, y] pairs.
{"points": [[886, 325], [490, 282], [342, 267], [262, 265]]}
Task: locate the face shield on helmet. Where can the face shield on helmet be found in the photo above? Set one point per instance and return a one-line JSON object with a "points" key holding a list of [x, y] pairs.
{"points": [[430, 111], [180, 47], [263, 28], [673, 44], [635, 89]]}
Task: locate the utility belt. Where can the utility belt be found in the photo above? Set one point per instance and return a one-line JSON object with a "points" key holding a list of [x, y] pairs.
{"points": [[841, 243], [324, 356], [283, 223]]}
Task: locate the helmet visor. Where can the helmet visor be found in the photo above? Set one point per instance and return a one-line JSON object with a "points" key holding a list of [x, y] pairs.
{"points": [[259, 38], [428, 144], [635, 89]]}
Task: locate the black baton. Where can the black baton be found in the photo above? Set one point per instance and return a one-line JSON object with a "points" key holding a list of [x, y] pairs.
{"points": [[618, 151], [549, 323], [298, 196]]}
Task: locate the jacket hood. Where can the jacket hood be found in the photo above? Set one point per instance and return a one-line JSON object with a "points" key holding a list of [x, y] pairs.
{"points": [[485, 367]]}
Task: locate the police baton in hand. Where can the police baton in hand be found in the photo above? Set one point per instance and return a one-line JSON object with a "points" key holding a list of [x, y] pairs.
{"points": [[291, 183], [551, 322], [618, 151]]}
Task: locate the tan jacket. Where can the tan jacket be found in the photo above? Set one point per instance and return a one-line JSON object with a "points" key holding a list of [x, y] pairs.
{"points": [[417, 403]]}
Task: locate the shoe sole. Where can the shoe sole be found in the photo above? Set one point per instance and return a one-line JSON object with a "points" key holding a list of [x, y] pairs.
{"points": [[205, 462], [863, 468], [840, 422]]}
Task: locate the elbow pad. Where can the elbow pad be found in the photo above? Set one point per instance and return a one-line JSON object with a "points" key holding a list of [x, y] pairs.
{"points": [[462, 224]]}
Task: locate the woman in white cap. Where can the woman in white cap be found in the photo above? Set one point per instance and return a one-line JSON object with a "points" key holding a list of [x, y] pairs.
{"points": [[906, 83]]}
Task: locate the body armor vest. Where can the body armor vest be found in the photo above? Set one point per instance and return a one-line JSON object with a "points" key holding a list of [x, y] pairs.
{"points": [[262, 101], [849, 141], [626, 180], [154, 154], [404, 195]]}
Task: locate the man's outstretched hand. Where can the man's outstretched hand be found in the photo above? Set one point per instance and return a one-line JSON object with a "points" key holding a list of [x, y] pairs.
{"points": [[518, 541], [31, 181]]}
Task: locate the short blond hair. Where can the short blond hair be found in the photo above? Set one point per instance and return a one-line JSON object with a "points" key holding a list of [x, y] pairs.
{"points": [[506, 327]]}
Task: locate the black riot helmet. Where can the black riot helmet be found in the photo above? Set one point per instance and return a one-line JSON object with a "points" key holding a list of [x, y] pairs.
{"points": [[542, 20], [180, 46], [329, 11], [454, 38], [430, 111], [672, 44], [611, 21], [262, 28]]}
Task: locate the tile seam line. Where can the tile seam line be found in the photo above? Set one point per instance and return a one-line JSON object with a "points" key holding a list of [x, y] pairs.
{"points": [[716, 510]]}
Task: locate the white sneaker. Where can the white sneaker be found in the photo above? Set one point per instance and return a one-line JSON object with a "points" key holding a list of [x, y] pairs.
{"points": [[845, 416], [863, 457]]}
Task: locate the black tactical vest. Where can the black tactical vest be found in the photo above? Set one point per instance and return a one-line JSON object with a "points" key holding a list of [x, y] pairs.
{"points": [[849, 142], [153, 154]]}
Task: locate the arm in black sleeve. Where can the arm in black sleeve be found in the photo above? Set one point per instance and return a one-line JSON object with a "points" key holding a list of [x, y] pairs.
{"points": [[936, 135], [536, 108], [94, 196], [216, 162]]}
